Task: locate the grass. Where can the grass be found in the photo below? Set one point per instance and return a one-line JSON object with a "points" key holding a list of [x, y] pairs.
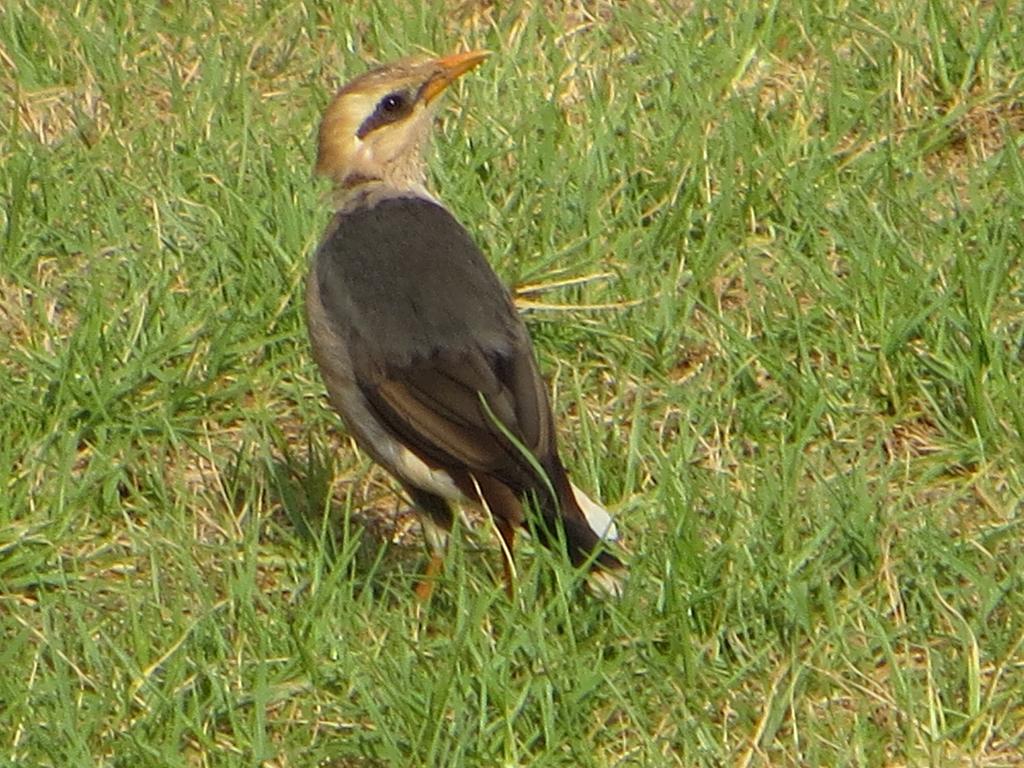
{"points": [[787, 354]]}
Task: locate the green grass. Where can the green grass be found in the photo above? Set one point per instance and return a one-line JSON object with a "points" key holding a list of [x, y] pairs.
{"points": [[800, 228]]}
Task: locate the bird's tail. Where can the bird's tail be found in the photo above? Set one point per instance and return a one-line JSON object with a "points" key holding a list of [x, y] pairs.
{"points": [[602, 581], [588, 529]]}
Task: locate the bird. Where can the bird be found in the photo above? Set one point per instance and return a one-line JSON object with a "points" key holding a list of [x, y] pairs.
{"points": [[418, 341]]}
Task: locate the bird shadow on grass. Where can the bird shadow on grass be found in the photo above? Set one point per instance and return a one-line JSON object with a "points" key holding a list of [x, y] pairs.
{"points": [[303, 488]]}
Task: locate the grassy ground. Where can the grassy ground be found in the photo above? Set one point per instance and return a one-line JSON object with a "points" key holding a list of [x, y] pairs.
{"points": [[772, 260]]}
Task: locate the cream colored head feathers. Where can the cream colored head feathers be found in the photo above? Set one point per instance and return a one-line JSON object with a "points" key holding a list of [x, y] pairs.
{"points": [[375, 127]]}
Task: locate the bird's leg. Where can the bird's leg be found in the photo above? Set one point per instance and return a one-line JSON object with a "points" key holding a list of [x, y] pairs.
{"points": [[436, 519], [503, 509], [508, 540], [425, 586]]}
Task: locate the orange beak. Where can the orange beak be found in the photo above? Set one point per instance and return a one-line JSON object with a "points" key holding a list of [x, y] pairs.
{"points": [[451, 68]]}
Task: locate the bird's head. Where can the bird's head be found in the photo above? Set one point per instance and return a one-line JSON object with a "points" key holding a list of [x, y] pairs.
{"points": [[375, 127]]}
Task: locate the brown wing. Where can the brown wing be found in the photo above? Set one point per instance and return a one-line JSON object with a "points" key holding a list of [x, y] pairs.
{"points": [[454, 411]]}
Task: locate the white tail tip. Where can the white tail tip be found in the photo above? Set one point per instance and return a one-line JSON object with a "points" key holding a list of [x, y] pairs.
{"points": [[606, 585], [598, 519]]}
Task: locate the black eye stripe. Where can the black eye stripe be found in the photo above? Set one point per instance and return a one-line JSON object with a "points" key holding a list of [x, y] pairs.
{"points": [[391, 108]]}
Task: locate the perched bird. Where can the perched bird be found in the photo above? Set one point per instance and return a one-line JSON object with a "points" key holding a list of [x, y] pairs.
{"points": [[421, 348]]}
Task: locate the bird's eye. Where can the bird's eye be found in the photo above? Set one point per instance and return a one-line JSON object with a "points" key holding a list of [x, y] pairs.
{"points": [[390, 109], [393, 102]]}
